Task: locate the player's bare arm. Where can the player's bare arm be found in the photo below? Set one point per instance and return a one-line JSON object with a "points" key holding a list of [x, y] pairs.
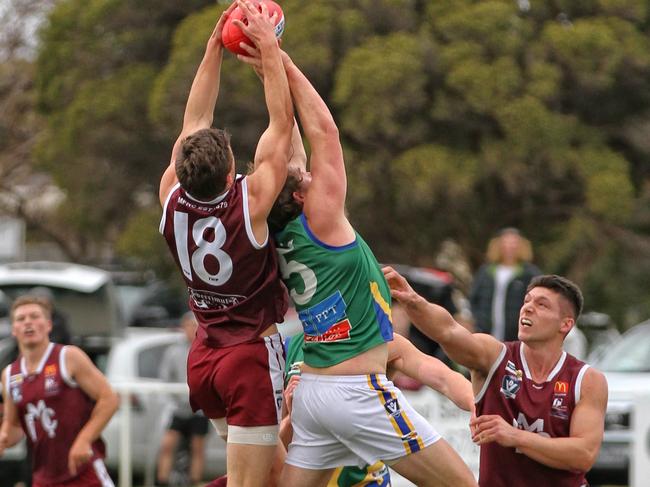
{"points": [[10, 432], [95, 385], [577, 452], [199, 110], [404, 357], [271, 156], [476, 351], [325, 201], [297, 153]]}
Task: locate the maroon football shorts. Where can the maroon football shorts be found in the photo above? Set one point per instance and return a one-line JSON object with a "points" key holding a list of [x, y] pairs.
{"points": [[242, 383], [92, 475]]}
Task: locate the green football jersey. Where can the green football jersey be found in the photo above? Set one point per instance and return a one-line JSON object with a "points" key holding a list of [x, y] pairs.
{"points": [[340, 293]]}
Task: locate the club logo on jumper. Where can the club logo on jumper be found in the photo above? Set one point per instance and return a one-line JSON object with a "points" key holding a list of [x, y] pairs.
{"points": [[326, 321], [511, 368], [511, 384], [211, 300], [46, 416], [561, 387], [51, 383], [392, 407], [558, 407], [536, 426], [15, 386]]}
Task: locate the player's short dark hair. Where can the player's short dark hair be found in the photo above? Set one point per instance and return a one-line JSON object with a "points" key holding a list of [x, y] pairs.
{"points": [[286, 208], [204, 163], [564, 287], [26, 299]]}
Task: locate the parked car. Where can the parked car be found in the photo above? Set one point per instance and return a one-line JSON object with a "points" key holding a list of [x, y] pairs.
{"points": [[626, 365], [85, 295]]}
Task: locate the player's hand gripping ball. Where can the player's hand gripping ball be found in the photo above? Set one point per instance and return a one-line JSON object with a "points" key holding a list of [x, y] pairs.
{"points": [[233, 35]]}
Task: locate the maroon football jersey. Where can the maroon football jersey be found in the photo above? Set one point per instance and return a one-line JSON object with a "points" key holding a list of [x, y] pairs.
{"points": [[52, 411], [545, 409], [233, 282]]}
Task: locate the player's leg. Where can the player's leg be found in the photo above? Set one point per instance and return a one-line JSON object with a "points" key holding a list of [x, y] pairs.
{"points": [[197, 457], [198, 431], [302, 477], [249, 465], [250, 380], [435, 465], [168, 444], [389, 429]]}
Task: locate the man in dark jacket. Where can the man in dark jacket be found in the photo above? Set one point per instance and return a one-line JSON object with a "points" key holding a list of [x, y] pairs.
{"points": [[500, 285]]}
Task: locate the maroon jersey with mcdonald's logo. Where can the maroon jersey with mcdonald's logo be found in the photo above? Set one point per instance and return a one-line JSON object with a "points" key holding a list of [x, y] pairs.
{"points": [[52, 410], [233, 281], [545, 409]]}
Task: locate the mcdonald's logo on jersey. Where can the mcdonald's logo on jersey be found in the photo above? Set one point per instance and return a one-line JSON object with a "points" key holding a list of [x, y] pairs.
{"points": [[561, 387]]}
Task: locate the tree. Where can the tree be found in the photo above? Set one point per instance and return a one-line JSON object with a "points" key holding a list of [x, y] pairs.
{"points": [[458, 117]]}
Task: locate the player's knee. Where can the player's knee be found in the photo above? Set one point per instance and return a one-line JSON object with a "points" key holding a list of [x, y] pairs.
{"points": [[253, 435]]}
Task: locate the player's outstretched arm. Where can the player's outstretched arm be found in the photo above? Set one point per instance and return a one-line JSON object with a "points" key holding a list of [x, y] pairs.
{"points": [[473, 350], [297, 153], [406, 358], [577, 452], [271, 156], [10, 432], [199, 110], [95, 385], [329, 182]]}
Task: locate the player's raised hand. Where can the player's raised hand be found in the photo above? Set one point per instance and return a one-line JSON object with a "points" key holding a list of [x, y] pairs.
{"points": [[260, 27], [215, 37], [400, 289]]}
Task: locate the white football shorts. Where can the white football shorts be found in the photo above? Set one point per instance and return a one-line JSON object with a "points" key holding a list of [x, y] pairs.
{"points": [[353, 420]]}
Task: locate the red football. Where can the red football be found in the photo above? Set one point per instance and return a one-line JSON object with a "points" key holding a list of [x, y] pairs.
{"points": [[233, 35]]}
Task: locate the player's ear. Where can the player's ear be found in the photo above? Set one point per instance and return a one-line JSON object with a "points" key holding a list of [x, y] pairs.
{"points": [[567, 324], [298, 196]]}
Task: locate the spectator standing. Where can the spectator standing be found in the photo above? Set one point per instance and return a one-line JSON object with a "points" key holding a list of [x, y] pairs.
{"points": [[184, 423], [500, 285]]}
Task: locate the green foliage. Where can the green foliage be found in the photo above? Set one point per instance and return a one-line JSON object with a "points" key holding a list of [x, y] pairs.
{"points": [[458, 117], [385, 107], [141, 242]]}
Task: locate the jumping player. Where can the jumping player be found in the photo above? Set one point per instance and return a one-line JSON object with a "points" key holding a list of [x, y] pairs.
{"points": [[344, 305], [55, 396], [214, 222], [403, 357], [540, 411]]}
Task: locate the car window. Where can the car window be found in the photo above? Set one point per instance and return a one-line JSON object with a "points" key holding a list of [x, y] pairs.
{"points": [[630, 354], [149, 361]]}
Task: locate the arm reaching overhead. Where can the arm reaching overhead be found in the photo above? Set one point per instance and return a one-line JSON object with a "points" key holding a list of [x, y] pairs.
{"points": [[406, 358], [473, 350], [272, 153], [329, 182], [199, 110]]}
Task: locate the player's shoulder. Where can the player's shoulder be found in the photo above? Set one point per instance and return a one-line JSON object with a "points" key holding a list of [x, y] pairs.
{"points": [[594, 385], [74, 355]]}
